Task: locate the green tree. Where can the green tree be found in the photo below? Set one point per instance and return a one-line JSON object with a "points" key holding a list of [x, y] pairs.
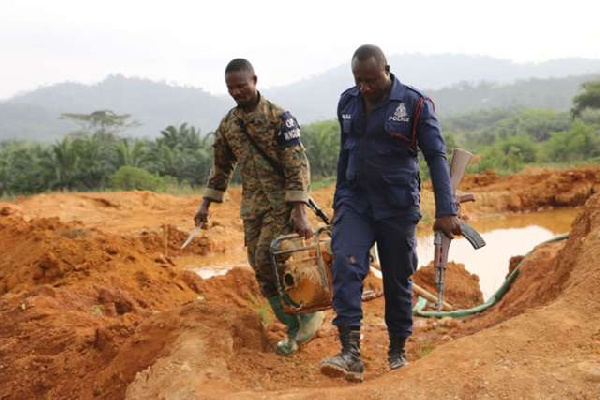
{"points": [[133, 178], [102, 122], [131, 152], [589, 98], [581, 143], [185, 137], [322, 141], [23, 170], [181, 153], [98, 159], [65, 162]]}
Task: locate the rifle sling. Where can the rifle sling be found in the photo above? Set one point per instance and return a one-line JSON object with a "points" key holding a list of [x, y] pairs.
{"points": [[276, 166]]}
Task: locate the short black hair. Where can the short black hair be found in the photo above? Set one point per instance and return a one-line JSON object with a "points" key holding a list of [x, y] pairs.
{"points": [[239, 64], [367, 51]]}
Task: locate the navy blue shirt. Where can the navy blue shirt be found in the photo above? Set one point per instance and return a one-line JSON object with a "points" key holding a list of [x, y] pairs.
{"points": [[378, 167]]}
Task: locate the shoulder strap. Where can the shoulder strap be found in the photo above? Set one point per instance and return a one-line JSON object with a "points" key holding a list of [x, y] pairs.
{"points": [[415, 123], [276, 166]]}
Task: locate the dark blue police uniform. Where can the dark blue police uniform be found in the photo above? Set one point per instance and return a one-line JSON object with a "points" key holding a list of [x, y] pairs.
{"points": [[377, 199]]}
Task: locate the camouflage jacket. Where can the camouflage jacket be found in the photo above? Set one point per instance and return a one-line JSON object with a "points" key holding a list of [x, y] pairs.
{"points": [[277, 133]]}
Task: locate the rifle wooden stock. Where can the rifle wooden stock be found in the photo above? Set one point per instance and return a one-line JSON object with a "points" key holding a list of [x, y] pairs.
{"points": [[458, 166], [464, 197]]}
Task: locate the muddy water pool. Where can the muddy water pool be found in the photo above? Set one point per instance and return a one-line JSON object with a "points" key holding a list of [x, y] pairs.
{"points": [[506, 236]]}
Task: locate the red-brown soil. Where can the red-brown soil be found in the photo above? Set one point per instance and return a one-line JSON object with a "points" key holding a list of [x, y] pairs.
{"points": [[96, 302], [533, 189]]}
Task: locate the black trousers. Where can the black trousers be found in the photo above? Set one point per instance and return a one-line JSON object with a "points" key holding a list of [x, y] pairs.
{"points": [[353, 235]]}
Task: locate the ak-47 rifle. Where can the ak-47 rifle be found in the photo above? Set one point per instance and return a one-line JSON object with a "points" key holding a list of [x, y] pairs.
{"points": [[458, 165]]}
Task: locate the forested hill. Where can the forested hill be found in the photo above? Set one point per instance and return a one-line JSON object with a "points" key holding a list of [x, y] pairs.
{"points": [[457, 83], [464, 97], [35, 115], [316, 98]]}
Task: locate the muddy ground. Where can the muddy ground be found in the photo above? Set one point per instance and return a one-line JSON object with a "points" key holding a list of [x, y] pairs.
{"points": [[97, 301]]}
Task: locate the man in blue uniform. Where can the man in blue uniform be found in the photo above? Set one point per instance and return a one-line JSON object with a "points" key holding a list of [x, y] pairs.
{"points": [[376, 200]]}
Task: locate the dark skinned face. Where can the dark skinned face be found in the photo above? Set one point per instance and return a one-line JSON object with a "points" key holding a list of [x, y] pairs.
{"points": [[241, 86], [372, 79]]}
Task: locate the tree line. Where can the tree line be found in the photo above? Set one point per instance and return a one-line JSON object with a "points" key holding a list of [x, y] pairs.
{"points": [[99, 157]]}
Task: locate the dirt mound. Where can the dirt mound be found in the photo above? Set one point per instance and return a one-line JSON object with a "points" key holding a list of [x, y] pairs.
{"points": [[47, 251], [532, 189], [119, 212], [70, 297], [115, 313], [461, 287], [171, 238]]}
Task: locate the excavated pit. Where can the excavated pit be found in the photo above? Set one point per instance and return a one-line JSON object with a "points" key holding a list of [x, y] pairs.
{"points": [[96, 302]]}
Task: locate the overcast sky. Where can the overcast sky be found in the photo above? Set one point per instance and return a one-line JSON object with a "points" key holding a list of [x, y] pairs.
{"points": [[43, 42]]}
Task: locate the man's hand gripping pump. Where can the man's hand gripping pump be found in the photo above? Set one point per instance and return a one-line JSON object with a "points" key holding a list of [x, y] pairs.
{"points": [[458, 165]]}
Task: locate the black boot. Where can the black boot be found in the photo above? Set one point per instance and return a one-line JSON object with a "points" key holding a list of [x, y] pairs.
{"points": [[347, 363], [396, 353]]}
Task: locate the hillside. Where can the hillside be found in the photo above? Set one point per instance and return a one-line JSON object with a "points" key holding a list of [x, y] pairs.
{"points": [[454, 82], [458, 84], [35, 115]]}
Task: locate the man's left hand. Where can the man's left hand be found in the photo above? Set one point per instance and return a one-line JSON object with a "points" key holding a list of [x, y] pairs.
{"points": [[448, 224], [300, 221]]}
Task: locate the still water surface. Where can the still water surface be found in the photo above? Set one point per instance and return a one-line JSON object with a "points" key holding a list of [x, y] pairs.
{"points": [[505, 236]]}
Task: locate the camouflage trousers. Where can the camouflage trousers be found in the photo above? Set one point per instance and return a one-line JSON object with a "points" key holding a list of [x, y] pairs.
{"points": [[258, 234]]}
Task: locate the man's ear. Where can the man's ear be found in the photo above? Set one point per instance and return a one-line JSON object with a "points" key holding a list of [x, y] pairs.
{"points": [[387, 69], [255, 79]]}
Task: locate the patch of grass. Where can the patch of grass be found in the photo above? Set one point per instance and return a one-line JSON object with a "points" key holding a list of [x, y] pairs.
{"points": [[8, 197], [262, 308], [98, 309], [264, 314], [182, 188], [426, 349], [426, 217], [74, 233], [443, 330], [322, 182]]}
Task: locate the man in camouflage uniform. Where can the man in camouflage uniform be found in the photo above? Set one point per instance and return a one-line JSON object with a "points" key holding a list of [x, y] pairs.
{"points": [[264, 140]]}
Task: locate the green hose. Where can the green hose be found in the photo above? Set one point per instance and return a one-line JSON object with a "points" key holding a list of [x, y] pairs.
{"points": [[422, 302]]}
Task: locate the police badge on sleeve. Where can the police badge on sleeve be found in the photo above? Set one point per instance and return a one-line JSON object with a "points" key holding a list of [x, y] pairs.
{"points": [[290, 131], [400, 115]]}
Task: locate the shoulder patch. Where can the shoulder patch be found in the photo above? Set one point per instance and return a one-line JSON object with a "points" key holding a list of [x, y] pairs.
{"points": [[290, 130]]}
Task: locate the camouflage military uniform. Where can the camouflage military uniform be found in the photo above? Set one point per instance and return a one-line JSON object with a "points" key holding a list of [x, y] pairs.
{"points": [[266, 195]]}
